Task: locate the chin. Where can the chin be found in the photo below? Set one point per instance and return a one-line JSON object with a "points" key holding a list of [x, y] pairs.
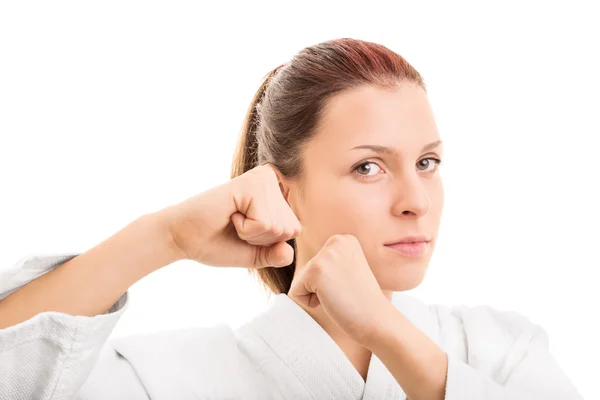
{"points": [[398, 278], [400, 286]]}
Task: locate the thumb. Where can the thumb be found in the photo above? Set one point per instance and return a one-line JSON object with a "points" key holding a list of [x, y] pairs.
{"points": [[301, 290], [278, 255]]}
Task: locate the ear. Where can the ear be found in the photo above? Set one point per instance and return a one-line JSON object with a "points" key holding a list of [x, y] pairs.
{"points": [[288, 188], [284, 184]]}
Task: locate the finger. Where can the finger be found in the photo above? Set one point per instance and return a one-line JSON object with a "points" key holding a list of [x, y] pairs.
{"points": [[285, 226], [269, 238], [261, 234], [249, 229], [300, 292], [272, 167], [238, 221]]}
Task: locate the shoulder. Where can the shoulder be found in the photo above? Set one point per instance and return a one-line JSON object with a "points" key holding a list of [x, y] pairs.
{"points": [[182, 360], [485, 319], [174, 341], [488, 338], [479, 322]]}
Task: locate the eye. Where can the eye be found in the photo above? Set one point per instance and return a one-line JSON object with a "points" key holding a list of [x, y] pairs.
{"points": [[367, 169], [431, 161]]}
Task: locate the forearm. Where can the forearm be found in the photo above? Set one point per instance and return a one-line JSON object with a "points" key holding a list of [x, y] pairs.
{"points": [[92, 282], [417, 363]]}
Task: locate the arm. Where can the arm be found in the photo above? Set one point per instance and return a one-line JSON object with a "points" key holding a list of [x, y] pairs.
{"points": [[89, 284], [57, 313], [414, 360], [425, 371], [53, 314]]}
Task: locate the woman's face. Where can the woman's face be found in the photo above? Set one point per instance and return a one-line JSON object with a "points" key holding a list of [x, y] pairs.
{"points": [[379, 195]]}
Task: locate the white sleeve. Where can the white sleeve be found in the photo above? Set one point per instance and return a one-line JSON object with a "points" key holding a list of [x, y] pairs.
{"points": [[52, 354], [534, 374]]}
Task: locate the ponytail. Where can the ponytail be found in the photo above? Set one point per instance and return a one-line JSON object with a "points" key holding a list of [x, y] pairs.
{"points": [[246, 157], [246, 153]]}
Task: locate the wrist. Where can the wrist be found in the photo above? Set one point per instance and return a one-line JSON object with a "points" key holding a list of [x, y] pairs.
{"points": [[161, 222], [384, 328]]}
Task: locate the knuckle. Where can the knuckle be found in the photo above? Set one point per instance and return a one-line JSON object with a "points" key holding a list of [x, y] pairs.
{"points": [[266, 172], [352, 239], [334, 239], [326, 254], [252, 177], [334, 253], [266, 226], [276, 229], [242, 234], [315, 270], [260, 178]]}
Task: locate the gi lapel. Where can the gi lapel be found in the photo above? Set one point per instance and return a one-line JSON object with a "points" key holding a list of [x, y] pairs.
{"points": [[380, 382], [308, 351], [320, 364]]}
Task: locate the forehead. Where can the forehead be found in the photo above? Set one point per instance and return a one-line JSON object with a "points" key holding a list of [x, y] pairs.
{"points": [[400, 116]]}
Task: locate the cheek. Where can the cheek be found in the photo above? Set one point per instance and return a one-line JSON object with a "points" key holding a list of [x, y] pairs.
{"points": [[437, 199], [352, 208]]}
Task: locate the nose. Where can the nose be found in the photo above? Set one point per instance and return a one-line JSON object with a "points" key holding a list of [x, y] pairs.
{"points": [[411, 198]]}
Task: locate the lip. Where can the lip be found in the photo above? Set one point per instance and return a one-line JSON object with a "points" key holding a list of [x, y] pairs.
{"points": [[410, 239], [409, 249], [410, 246]]}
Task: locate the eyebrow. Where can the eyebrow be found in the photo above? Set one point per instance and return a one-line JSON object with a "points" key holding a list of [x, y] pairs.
{"points": [[383, 149]]}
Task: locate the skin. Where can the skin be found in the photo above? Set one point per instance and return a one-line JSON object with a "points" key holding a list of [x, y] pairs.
{"points": [[344, 276], [391, 196]]}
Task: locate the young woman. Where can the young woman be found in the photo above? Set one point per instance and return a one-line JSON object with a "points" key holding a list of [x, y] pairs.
{"points": [[335, 202]]}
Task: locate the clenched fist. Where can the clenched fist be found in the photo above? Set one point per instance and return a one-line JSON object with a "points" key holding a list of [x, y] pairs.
{"points": [[339, 279], [242, 223]]}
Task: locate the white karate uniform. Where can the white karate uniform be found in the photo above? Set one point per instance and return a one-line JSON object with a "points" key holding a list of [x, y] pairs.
{"points": [[281, 353]]}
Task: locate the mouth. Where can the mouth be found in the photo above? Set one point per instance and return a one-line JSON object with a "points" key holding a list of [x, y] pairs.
{"points": [[407, 248]]}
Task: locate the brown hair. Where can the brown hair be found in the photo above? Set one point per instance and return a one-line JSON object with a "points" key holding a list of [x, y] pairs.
{"points": [[288, 106]]}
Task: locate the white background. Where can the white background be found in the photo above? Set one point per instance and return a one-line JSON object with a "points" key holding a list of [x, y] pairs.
{"points": [[109, 110]]}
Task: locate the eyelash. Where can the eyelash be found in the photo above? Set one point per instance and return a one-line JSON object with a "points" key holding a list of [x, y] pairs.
{"points": [[437, 161]]}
